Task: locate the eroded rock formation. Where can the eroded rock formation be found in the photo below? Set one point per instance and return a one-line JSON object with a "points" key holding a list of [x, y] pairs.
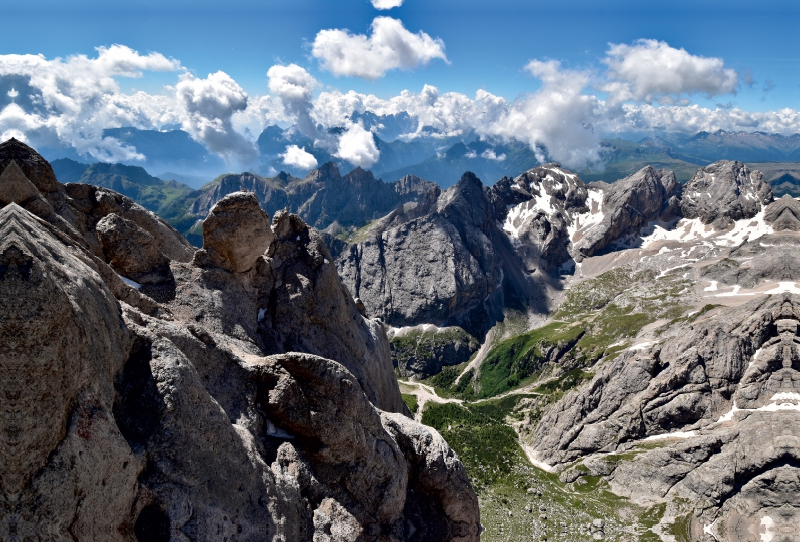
{"points": [[239, 396]]}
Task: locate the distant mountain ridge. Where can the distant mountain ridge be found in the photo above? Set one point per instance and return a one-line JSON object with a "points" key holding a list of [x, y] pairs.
{"points": [[406, 148]]}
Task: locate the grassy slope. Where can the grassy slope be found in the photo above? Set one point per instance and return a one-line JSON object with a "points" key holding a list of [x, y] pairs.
{"points": [[530, 371], [520, 502]]}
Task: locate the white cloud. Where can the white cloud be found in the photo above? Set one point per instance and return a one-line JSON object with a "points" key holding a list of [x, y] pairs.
{"points": [[294, 86], [207, 107], [692, 119], [559, 117], [386, 4], [389, 47], [651, 70], [69, 101], [295, 156], [491, 155], [357, 146]]}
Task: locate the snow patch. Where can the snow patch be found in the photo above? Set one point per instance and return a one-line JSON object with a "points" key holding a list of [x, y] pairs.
{"points": [[520, 215], [585, 221], [784, 288], [734, 292], [131, 283], [769, 529], [676, 434]]}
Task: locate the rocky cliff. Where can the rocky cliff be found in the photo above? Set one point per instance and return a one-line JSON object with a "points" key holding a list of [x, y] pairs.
{"points": [[155, 392], [444, 261], [323, 197]]}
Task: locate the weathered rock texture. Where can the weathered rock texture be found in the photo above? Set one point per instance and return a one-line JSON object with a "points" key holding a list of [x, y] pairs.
{"points": [[323, 197], [727, 388], [537, 209], [723, 192], [444, 262], [189, 419], [628, 205], [424, 350]]}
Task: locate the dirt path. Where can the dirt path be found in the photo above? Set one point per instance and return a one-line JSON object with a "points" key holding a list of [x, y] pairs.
{"points": [[424, 394], [482, 351]]}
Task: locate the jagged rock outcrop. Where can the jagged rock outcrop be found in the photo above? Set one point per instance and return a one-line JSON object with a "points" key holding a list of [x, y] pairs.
{"points": [[627, 205], [424, 350], [783, 214], [444, 267], [724, 392], [187, 418], [323, 197], [536, 210], [723, 192], [131, 251]]}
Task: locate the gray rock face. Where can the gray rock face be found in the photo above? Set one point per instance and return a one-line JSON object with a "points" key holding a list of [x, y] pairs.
{"points": [[726, 388], [425, 350], [323, 197], [236, 232], [130, 419], [444, 267], [783, 214], [723, 192], [536, 208], [628, 204], [131, 251]]}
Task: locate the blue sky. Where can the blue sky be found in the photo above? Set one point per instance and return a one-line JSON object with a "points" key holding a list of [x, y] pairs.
{"points": [[487, 43], [487, 46]]}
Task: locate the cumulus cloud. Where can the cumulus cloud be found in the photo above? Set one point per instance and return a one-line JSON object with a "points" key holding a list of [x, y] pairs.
{"points": [[294, 86], [558, 121], [357, 146], [208, 106], [651, 70], [491, 155], [386, 4], [69, 101], [390, 46], [295, 156]]}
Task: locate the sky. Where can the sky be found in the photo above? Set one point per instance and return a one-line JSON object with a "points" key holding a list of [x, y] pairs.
{"points": [[557, 75]]}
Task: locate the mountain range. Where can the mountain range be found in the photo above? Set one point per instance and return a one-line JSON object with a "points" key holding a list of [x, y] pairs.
{"points": [[407, 149], [605, 360]]}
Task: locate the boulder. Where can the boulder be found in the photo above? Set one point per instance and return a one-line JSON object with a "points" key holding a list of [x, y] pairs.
{"points": [[236, 232]]}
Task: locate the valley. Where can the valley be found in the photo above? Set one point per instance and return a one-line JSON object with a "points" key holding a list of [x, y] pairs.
{"points": [[540, 325]]}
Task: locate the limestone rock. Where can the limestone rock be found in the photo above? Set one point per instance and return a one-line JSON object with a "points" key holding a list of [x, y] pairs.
{"points": [[424, 350], [236, 232], [536, 209], [723, 192], [15, 186], [132, 251], [449, 265], [174, 423], [323, 198], [628, 204]]}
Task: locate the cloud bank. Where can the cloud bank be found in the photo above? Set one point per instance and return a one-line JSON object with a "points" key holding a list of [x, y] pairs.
{"points": [[644, 87]]}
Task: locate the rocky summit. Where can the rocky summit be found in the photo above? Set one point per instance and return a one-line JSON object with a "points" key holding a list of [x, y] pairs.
{"points": [[156, 392]]}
